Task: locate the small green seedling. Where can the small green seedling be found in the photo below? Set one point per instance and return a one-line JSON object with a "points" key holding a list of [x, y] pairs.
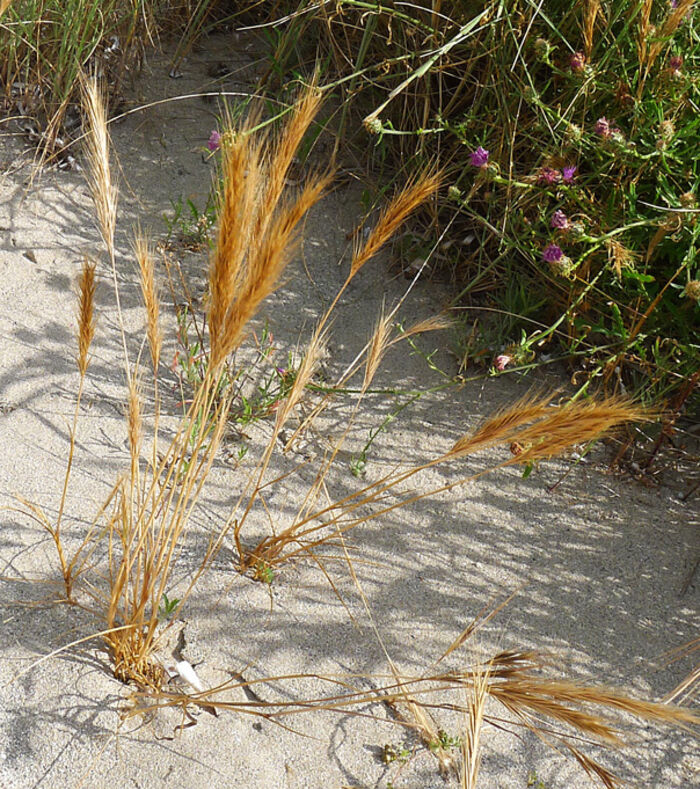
{"points": [[263, 572], [534, 781], [445, 742], [395, 753], [167, 608]]}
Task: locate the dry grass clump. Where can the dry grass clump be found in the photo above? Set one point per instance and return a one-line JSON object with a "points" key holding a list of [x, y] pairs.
{"points": [[125, 562]]}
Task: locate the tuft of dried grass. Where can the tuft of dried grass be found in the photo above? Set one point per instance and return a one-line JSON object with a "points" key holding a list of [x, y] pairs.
{"points": [[502, 426], [257, 230]]}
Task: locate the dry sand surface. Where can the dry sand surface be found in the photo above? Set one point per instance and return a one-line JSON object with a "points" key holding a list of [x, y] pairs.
{"points": [[604, 560]]}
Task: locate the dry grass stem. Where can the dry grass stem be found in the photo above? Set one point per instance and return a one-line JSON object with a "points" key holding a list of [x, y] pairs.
{"points": [[576, 423], [476, 696], [434, 323], [241, 172], [288, 141], [264, 269]]}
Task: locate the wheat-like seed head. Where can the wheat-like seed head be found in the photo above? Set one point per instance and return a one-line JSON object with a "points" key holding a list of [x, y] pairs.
{"points": [[669, 27], [103, 190], [149, 290], [502, 426], [242, 175], [304, 111], [377, 348], [86, 309], [414, 194], [309, 364], [434, 323], [575, 423], [263, 269], [589, 17]]}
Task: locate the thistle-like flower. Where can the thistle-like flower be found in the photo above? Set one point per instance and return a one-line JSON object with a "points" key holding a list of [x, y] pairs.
{"points": [[560, 221], [479, 157], [568, 173], [214, 141], [602, 128], [552, 254], [549, 176], [577, 62]]}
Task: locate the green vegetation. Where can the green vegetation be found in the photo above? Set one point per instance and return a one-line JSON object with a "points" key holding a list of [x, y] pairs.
{"points": [[568, 133]]}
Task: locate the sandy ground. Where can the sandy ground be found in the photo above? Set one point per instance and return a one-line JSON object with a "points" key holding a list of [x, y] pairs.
{"points": [[603, 561]]}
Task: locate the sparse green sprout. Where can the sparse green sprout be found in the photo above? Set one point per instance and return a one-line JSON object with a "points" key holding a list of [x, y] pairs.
{"points": [[445, 742], [395, 753], [167, 607], [263, 572]]}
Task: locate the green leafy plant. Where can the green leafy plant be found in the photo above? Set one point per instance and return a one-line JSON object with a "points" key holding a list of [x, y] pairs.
{"points": [[569, 138], [167, 608]]}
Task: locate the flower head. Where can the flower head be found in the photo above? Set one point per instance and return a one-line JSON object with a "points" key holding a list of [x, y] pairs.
{"points": [[567, 173], [214, 141], [552, 254], [602, 127], [373, 125], [549, 176], [577, 62], [502, 361], [692, 290], [479, 157], [560, 220]]}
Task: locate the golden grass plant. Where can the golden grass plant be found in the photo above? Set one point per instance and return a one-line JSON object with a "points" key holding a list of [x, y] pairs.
{"points": [[124, 565]]}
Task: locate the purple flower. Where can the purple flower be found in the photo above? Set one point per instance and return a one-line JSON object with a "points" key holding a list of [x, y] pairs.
{"points": [[214, 141], [502, 361], [567, 173], [602, 127], [549, 176], [479, 157], [552, 254], [577, 62], [560, 220]]}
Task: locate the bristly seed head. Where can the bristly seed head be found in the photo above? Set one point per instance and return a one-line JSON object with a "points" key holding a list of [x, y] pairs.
{"points": [[86, 320]]}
